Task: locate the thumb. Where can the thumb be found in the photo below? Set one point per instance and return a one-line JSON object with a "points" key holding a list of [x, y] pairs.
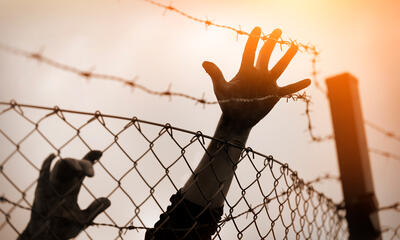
{"points": [[215, 73], [95, 208]]}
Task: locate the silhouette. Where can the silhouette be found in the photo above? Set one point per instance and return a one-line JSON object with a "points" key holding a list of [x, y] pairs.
{"points": [[55, 212], [198, 206]]}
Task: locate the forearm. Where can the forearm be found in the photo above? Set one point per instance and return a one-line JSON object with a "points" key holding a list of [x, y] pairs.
{"points": [[213, 176]]}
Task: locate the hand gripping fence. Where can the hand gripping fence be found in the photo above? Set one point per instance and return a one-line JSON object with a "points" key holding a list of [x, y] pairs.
{"points": [[142, 166]]}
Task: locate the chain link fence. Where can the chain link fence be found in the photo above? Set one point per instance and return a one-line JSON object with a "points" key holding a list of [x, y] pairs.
{"points": [[143, 164]]}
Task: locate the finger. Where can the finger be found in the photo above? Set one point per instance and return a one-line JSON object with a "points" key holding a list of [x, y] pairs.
{"points": [[93, 156], [67, 176], [95, 208], [267, 48], [292, 88], [216, 75], [278, 69], [250, 48], [66, 169], [45, 169], [87, 167]]}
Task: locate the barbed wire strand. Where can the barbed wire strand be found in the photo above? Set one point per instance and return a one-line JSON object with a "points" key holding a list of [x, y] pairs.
{"points": [[395, 206], [309, 48], [389, 134], [131, 83], [295, 97], [384, 154]]}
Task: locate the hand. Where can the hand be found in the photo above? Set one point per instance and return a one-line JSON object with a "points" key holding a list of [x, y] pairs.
{"points": [[55, 212], [253, 82]]}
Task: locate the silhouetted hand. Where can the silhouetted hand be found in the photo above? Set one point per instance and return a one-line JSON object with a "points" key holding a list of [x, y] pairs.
{"points": [[253, 82], [55, 212]]}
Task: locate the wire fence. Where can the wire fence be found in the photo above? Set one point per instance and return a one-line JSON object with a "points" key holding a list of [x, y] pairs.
{"points": [[142, 166], [267, 200]]}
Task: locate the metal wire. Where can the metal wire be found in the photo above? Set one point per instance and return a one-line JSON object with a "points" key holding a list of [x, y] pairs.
{"points": [[309, 48], [267, 200], [309, 214]]}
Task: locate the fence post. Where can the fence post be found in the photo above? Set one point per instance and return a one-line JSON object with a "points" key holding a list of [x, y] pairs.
{"points": [[352, 153]]}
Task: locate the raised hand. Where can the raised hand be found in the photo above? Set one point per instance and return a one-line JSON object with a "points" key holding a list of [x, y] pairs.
{"points": [[55, 212], [253, 82]]}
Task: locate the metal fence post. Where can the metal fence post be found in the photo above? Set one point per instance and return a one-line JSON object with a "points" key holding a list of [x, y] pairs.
{"points": [[353, 158]]}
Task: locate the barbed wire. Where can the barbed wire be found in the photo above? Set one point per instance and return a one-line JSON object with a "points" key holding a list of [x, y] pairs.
{"points": [[395, 206], [385, 132], [328, 137], [295, 97], [132, 83], [310, 214], [310, 127], [91, 75], [309, 48], [385, 154], [325, 177]]}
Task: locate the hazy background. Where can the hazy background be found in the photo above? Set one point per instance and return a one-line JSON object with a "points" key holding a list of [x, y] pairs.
{"points": [[134, 38]]}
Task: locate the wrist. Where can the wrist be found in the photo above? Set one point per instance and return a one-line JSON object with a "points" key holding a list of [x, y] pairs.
{"points": [[232, 132], [35, 230], [41, 229]]}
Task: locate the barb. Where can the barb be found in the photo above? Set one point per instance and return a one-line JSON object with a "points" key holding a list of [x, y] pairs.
{"points": [[168, 93], [314, 74], [323, 178], [131, 83], [309, 48], [314, 137], [385, 132], [385, 154], [395, 206]]}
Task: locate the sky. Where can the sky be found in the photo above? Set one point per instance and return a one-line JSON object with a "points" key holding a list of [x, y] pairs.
{"points": [[136, 39]]}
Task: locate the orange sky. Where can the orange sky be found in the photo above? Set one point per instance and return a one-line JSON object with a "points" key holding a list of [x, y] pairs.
{"points": [[129, 38]]}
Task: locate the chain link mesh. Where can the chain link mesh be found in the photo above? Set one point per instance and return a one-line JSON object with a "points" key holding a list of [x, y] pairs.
{"points": [[143, 164]]}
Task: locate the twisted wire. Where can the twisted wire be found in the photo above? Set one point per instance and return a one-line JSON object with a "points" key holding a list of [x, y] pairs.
{"points": [[300, 210]]}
